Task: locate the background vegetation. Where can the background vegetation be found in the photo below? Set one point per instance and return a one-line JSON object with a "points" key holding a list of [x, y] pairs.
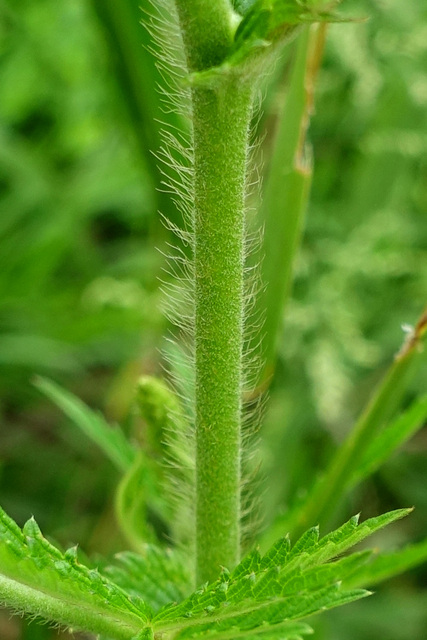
{"points": [[79, 269]]}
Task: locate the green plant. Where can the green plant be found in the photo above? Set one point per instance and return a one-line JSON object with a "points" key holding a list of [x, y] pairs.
{"points": [[151, 592]]}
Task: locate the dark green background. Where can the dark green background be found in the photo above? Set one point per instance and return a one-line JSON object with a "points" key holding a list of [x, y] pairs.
{"points": [[79, 268]]}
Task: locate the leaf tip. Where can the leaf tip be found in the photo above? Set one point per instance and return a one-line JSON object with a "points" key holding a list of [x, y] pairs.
{"points": [[31, 528]]}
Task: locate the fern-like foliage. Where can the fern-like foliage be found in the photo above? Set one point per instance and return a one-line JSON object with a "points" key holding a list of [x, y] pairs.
{"points": [[143, 595]]}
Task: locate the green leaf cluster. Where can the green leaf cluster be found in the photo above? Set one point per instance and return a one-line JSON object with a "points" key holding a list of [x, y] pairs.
{"points": [[158, 575], [267, 595], [37, 578]]}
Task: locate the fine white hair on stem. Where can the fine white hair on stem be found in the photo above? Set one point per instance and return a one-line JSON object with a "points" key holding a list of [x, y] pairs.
{"points": [[253, 399], [176, 165], [175, 160]]}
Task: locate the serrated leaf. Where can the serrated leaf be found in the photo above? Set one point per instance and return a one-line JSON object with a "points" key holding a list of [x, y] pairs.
{"points": [[289, 630], [350, 534], [158, 575], [285, 584], [251, 617], [251, 563], [325, 574], [277, 554], [305, 543], [110, 439], [264, 596], [38, 578]]}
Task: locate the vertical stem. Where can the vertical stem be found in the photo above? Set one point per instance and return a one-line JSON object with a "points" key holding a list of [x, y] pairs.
{"points": [[221, 118], [207, 29], [221, 121]]}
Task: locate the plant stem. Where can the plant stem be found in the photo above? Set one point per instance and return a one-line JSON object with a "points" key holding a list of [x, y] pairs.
{"points": [[221, 123], [221, 117], [207, 30]]}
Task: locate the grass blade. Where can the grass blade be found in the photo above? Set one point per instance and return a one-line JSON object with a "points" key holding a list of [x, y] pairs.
{"points": [[135, 63], [392, 437], [330, 488], [110, 439]]}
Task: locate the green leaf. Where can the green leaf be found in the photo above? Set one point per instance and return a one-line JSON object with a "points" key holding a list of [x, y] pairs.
{"points": [[158, 575], [39, 579], [141, 491], [351, 533], [243, 6], [264, 593], [167, 469], [265, 27], [157, 405], [392, 437], [269, 21], [134, 63], [282, 210], [110, 439], [385, 566], [161, 410]]}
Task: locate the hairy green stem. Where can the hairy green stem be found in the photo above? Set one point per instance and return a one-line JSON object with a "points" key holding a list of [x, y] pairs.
{"points": [[221, 122], [207, 29], [221, 117]]}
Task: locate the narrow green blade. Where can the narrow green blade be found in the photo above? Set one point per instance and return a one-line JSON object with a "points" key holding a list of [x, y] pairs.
{"points": [[285, 197], [110, 439], [332, 486], [391, 438]]}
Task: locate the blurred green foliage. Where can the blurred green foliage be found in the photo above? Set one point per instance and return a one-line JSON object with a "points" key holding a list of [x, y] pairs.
{"points": [[79, 269]]}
